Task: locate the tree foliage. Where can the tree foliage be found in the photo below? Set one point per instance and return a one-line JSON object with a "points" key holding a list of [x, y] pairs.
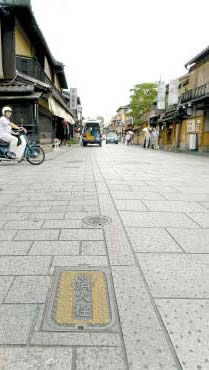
{"points": [[141, 100]]}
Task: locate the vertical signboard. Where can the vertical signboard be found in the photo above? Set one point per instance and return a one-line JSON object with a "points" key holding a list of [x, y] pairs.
{"points": [[173, 92], [73, 98], [161, 91]]}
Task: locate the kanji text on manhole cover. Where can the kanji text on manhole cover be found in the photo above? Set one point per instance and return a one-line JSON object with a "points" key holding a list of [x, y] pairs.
{"points": [[80, 300]]}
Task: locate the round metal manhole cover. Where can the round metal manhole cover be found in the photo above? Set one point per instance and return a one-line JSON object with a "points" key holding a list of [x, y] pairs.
{"points": [[97, 220]]}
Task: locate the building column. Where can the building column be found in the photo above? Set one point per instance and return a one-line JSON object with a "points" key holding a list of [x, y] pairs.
{"points": [[1, 64]]}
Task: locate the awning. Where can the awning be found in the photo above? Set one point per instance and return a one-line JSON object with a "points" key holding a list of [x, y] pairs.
{"points": [[58, 111]]}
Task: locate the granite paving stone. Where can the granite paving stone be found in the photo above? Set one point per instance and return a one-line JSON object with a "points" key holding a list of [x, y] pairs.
{"points": [[15, 322], [154, 188], [104, 358], [136, 195], [46, 216], [62, 224], [81, 234], [192, 240], [145, 342], [152, 240], [24, 265], [87, 202], [2, 223], [14, 248], [21, 225], [157, 219], [201, 218], [29, 289], [37, 235], [85, 339], [78, 261], [35, 358], [177, 275], [55, 248], [59, 209], [36, 209], [119, 249], [93, 248], [187, 322], [5, 283], [13, 216], [186, 196], [7, 234], [130, 205], [8, 209], [205, 204], [174, 206], [78, 215]]}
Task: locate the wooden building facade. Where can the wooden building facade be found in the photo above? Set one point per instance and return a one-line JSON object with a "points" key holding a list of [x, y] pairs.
{"points": [[31, 80]]}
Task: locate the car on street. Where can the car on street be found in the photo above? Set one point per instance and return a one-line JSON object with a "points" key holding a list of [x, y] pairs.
{"points": [[112, 138]]}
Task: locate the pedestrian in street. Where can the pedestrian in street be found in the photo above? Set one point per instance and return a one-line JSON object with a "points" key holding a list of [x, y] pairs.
{"points": [[155, 138], [147, 139], [128, 138], [66, 132]]}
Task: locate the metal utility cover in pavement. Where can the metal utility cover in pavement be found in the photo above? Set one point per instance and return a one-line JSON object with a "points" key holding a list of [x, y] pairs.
{"points": [[80, 300], [97, 220]]}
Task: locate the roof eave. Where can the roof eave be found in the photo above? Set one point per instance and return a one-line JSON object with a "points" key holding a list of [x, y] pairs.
{"points": [[198, 57], [25, 11]]}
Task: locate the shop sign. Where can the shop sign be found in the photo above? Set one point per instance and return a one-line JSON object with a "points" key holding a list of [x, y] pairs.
{"points": [[73, 98], [193, 125], [161, 92], [173, 94], [198, 125]]}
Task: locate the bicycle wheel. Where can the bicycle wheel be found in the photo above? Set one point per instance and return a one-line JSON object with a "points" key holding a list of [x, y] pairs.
{"points": [[35, 155]]}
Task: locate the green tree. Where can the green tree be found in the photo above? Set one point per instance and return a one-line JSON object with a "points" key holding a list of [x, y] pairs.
{"points": [[141, 100]]}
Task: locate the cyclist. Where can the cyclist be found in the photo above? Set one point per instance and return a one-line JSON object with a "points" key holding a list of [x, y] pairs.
{"points": [[6, 127]]}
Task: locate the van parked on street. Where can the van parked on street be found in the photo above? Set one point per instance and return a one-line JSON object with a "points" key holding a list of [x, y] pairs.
{"points": [[92, 133]]}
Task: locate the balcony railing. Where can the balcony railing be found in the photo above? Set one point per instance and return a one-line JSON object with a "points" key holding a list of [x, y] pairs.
{"points": [[31, 67], [194, 93]]}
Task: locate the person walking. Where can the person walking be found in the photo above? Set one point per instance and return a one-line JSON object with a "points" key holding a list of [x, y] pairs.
{"points": [[128, 138], [155, 137], [147, 139]]}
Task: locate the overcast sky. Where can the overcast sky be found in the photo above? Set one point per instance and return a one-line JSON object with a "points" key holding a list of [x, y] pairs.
{"points": [[108, 46]]}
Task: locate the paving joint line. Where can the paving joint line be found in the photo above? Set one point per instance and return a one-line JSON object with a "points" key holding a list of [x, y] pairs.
{"points": [[166, 229], [8, 290]]}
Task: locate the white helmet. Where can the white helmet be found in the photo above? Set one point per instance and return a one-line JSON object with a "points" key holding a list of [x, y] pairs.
{"points": [[6, 109]]}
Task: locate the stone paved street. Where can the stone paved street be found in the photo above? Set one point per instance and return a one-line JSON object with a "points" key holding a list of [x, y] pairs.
{"points": [[154, 252]]}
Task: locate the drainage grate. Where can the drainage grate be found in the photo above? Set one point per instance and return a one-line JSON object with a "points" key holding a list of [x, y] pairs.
{"points": [[81, 299], [97, 220]]}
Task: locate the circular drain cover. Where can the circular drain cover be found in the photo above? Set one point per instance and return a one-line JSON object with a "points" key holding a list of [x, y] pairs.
{"points": [[97, 220]]}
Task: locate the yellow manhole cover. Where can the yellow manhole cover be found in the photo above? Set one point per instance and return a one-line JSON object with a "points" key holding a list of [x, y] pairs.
{"points": [[80, 300]]}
